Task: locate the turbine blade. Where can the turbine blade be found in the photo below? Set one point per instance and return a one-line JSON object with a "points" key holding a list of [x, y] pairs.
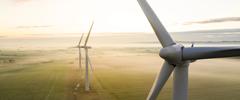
{"points": [[180, 82], [160, 80], [162, 34], [88, 34], [90, 63], [210, 52], [80, 39]]}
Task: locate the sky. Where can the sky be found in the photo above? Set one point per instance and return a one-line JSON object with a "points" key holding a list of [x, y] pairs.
{"points": [[66, 17]]}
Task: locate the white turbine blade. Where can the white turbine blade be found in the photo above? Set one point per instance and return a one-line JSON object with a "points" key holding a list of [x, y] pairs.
{"points": [[160, 80], [90, 63], [88, 34], [80, 39], [209, 52], [162, 34], [180, 82]]}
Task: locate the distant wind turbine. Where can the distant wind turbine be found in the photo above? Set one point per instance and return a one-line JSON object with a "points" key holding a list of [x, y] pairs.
{"points": [[79, 52], [177, 57], [87, 60]]}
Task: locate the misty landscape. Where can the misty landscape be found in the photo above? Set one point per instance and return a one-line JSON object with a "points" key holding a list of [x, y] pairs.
{"points": [[229, 37], [46, 68], [119, 50]]}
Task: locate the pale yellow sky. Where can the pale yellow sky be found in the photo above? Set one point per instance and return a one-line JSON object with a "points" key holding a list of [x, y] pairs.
{"points": [[19, 17]]}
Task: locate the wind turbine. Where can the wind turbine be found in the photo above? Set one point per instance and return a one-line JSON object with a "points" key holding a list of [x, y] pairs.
{"points": [[79, 52], [87, 60], [177, 57]]}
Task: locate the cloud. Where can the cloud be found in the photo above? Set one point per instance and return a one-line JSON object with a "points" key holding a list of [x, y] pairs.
{"points": [[28, 27], [21, 2], [216, 20], [234, 30]]}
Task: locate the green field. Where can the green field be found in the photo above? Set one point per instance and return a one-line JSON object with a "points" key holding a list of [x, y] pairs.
{"points": [[119, 74]]}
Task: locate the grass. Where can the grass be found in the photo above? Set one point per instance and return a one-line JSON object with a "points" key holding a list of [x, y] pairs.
{"points": [[118, 75], [34, 82], [43, 80], [125, 85]]}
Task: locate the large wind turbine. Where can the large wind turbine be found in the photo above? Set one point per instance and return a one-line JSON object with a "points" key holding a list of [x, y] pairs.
{"points": [[87, 61], [177, 57]]}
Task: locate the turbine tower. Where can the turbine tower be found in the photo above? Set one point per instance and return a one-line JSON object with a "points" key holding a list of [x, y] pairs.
{"points": [[177, 57], [87, 61]]}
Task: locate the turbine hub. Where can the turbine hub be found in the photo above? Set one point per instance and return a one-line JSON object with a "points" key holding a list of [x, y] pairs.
{"points": [[172, 54]]}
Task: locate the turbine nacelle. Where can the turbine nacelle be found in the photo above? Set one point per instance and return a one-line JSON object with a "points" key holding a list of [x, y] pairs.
{"points": [[172, 54]]}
